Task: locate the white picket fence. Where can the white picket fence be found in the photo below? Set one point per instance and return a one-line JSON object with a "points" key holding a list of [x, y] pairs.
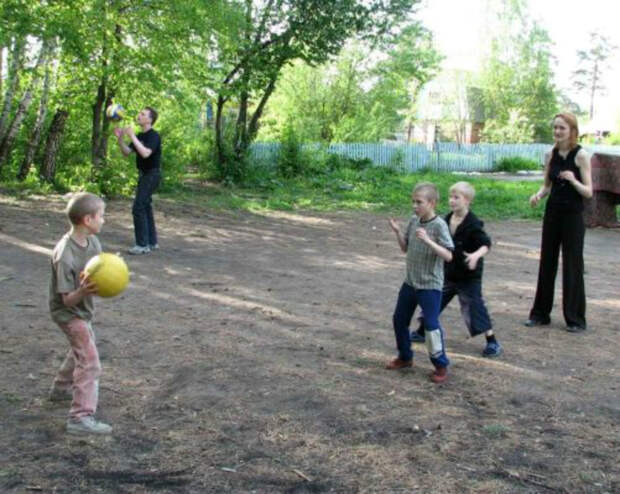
{"points": [[445, 156]]}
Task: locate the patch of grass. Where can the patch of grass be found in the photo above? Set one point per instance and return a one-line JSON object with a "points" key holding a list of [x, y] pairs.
{"points": [[514, 164], [379, 190], [495, 431], [11, 398], [344, 187]]}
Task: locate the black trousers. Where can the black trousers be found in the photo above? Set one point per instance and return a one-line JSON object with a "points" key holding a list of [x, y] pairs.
{"points": [[565, 230]]}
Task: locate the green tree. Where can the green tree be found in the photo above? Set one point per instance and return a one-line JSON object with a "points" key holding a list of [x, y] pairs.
{"points": [[137, 52], [363, 95], [517, 77], [592, 64], [274, 33]]}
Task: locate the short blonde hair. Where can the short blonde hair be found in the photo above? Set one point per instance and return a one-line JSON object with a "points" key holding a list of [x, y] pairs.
{"points": [[429, 190], [81, 205], [464, 188]]}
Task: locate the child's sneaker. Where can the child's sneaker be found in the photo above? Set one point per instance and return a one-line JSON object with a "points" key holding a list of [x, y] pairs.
{"points": [[87, 425], [416, 337], [399, 364], [492, 350], [56, 394], [440, 375], [137, 250], [154, 247]]}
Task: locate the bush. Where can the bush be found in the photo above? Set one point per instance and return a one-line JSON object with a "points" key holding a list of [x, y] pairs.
{"points": [[612, 139], [335, 162], [514, 164], [289, 159]]}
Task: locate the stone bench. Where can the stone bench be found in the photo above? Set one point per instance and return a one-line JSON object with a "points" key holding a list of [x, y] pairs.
{"points": [[601, 209]]}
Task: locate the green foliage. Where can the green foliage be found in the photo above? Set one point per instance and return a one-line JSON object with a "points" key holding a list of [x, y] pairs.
{"points": [[517, 129], [355, 97], [370, 188], [613, 139], [514, 164], [289, 159], [592, 63], [517, 78]]}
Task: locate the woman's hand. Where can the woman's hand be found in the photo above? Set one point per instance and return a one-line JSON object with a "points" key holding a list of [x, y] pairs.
{"points": [[568, 176]]}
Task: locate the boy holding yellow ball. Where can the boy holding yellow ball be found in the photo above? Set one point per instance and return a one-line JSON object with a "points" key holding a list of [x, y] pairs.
{"points": [[72, 308]]}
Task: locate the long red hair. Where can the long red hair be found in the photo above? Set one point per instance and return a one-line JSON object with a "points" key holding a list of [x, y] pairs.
{"points": [[571, 120]]}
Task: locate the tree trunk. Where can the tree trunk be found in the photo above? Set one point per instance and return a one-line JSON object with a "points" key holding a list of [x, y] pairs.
{"points": [[1, 65], [54, 137], [219, 138], [593, 89], [35, 137], [6, 145], [258, 113], [98, 108], [99, 142], [240, 142], [12, 84]]}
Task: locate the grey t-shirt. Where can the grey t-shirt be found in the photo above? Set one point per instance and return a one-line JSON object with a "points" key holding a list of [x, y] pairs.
{"points": [[68, 261], [424, 267]]}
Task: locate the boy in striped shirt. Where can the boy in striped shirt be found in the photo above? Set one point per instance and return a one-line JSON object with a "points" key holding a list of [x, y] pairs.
{"points": [[427, 244]]}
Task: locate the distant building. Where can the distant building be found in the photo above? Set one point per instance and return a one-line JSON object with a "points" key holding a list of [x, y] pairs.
{"points": [[450, 109]]}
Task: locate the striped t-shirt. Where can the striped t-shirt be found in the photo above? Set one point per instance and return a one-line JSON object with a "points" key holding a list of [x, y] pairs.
{"points": [[424, 267]]}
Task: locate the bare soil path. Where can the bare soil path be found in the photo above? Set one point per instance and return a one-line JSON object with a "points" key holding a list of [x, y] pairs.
{"points": [[247, 356]]}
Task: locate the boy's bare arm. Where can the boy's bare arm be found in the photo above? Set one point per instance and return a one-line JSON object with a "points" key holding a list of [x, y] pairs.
{"points": [[399, 236]]}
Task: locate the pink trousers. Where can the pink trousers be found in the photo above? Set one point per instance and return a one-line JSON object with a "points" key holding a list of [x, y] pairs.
{"points": [[81, 369]]}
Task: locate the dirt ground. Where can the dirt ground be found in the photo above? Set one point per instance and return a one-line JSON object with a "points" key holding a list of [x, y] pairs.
{"points": [[247, 355]]}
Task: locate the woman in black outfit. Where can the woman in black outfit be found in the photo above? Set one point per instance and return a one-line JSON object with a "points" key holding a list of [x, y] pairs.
{"points": [[568, 179]]}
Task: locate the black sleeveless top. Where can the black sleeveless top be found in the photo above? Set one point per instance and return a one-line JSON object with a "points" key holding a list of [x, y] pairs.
{"points": [[564, 197]]}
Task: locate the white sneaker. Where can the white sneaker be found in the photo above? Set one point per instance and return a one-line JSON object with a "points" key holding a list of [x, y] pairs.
{"points": [[87, 425], [138, 250], [154, 247]]}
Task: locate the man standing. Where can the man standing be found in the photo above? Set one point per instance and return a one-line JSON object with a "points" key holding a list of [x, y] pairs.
{"points": [[147, 146]]}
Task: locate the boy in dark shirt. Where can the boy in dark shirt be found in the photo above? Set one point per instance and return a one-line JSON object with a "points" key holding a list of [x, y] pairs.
{"points": [[463, 275]]}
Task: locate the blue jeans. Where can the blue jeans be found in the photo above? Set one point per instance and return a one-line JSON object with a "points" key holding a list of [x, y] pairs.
{"points": [[430, 302], [473, 309], [143, 221]]}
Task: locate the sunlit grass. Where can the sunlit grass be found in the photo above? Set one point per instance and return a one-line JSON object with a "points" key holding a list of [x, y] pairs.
{"points": [[374, 189]]}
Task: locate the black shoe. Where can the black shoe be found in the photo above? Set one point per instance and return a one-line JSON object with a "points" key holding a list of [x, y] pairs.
{"points": [[575, 328], [530, 323], [416, 337]]}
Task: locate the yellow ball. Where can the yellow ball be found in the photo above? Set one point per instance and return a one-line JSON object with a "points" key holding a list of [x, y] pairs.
{"points": [[109, 273]]}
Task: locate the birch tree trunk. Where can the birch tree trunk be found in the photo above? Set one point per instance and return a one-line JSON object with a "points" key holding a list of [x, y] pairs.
{"points": [[1, 65], [6, 145], [16, 58], [35, 137]]}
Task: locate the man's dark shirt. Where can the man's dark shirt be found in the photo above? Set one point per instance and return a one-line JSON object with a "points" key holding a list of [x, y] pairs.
{"points": [[151, 140]]}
